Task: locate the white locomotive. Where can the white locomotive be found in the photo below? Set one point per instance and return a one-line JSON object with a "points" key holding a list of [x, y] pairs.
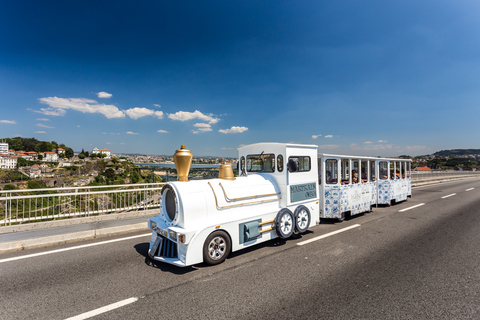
{"points": [[278, 193]]}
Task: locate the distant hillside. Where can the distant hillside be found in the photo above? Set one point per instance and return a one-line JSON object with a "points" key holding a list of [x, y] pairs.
{"points": [[456, 152]]}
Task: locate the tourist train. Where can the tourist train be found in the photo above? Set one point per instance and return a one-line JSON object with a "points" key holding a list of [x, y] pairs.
{"points": [[282, 189]]}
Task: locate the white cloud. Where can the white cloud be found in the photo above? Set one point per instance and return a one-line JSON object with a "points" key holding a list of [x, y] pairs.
{"points": [[103, 94], [185, 115], [371, 147], [58, 107], [52, 112], [328, 146], [225, 148], [39, 132], [42, 119], [233, 129], [415, 148], [382, 141], [368, 142], [162, 131], [136, 113], [157, 105], [315, 136], [329, 136], [44, 126], [8, 121], [130, 132], [203, 127]]}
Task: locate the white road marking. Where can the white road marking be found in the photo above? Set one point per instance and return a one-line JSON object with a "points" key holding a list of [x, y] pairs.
{"points": [[101, 310], [470, 189], [327, 235], [413, 207], [450, 195], [72, 248]]}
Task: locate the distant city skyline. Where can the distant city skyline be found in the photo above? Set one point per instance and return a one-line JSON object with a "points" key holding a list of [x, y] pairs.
{"points": [[366, 78]]}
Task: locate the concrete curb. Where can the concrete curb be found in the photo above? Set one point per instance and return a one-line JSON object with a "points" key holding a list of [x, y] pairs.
{"points": [[70, 237]]}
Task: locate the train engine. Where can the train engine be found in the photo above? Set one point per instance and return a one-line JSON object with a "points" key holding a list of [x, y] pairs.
{"points": [[275, 195]]}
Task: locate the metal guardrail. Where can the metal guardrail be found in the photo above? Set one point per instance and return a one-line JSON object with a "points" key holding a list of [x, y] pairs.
{"points": [[29, 205], [442, 174], [20, 206]]}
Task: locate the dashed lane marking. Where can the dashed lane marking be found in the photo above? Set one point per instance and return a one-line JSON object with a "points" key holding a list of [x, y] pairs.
{"points": [[327, 235], [101, 310], [450, 195], [412, 207]]}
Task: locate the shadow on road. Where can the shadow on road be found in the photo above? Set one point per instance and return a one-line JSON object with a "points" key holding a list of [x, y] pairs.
{"points": [[142, 249]]}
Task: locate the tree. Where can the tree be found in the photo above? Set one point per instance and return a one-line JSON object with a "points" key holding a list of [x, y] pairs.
{"points": [[43, 146], [22, 162], [16, 144], [110, 174], [81, 156], [69, 152], [40, 157]]}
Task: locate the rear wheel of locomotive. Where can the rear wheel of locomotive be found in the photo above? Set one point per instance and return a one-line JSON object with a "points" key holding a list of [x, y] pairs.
{"points": [[302, 219]]}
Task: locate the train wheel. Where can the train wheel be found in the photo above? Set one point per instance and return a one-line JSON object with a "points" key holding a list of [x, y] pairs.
{"points": [[216, 248], [284, 223], [302, 219]]}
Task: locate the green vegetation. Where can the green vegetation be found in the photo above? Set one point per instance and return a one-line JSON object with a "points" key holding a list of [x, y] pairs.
{"points": [[457, 152], [32, 144]]}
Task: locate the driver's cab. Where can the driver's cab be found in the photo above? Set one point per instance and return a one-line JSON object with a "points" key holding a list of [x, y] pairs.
{"points": [[293, 167]]}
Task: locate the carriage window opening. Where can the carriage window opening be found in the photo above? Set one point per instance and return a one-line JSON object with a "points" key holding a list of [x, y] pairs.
{"points": [[372, 171], [280, 163], [397, 170], [331, 171], [345, 169], [299, 164], [261, 162], [364, 171], [320, 170], [355, 172], [409, 170], [383, 170]]}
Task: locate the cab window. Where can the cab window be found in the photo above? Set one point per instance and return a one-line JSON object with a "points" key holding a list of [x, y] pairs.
{"points": [[261, 163], [280, 163], [299, 164]]}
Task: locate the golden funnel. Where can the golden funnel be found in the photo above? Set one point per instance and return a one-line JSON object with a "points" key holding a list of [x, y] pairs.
{"points": [[183, 160], [226, 172]]}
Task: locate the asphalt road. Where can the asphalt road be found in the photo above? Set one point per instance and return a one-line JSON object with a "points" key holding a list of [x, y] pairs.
{"points": [[422, 263]]}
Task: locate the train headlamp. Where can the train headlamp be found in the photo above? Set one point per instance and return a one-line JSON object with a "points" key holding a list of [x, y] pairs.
{"points": [[172, 235], [153, 225], [163, 233]]}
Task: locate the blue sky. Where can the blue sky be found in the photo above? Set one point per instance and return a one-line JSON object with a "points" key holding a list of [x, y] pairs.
{"points": [[354, 77]]}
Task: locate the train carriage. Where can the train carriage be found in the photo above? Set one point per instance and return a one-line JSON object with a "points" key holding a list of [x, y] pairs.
{"points": [[282, 188]]}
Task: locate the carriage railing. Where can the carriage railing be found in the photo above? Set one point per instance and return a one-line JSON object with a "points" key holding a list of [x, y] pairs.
{"points": [[33, 205]]}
